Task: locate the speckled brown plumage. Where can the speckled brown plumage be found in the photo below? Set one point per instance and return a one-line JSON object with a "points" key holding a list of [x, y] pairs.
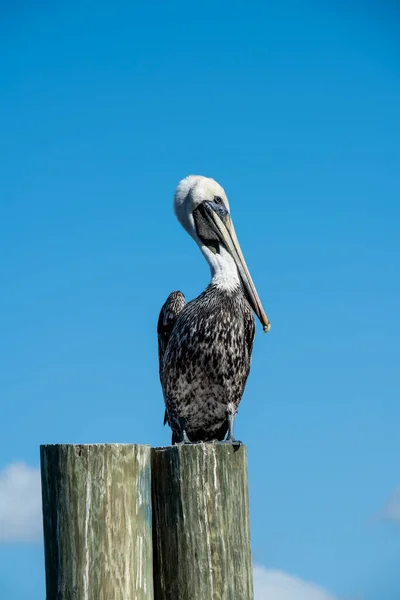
{"points": [[204, 351]]}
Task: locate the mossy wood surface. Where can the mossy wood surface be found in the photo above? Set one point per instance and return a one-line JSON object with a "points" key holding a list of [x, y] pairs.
{"points": [[201, 532], [97, 522]]}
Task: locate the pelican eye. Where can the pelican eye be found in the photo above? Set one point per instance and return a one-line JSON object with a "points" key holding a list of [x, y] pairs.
{"points": [[219, 207]]}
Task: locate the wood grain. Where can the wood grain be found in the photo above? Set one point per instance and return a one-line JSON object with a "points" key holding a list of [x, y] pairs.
{"points": [[201, 532], [97, 522]]}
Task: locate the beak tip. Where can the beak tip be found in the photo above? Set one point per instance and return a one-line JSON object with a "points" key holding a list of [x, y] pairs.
{"points": [[267, 327]]}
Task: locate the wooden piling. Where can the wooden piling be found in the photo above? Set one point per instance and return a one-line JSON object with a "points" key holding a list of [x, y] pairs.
{"points": [[201, 531], [97, 522]]}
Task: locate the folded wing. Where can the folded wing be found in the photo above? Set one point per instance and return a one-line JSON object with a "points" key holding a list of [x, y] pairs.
{"points": [[166, 321]]}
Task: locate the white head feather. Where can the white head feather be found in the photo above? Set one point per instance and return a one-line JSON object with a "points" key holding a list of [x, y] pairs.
{"points": [[190, 192]]}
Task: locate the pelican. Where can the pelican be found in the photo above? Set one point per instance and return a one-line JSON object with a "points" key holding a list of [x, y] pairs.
{"points": [[205, 345]]}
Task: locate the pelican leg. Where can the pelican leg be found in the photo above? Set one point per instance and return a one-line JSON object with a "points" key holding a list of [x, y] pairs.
{"points": [[231, 438], [184, 437]]}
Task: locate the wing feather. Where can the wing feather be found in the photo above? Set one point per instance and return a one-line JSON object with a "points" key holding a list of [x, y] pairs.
{"points": [[166, 321]]}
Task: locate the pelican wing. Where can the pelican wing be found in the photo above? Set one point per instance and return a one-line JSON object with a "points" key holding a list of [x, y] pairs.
{"points": [[166, 321], [250, 329]]}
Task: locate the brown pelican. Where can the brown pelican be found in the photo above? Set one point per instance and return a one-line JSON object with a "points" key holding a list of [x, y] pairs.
{"points": [[205, 345]]}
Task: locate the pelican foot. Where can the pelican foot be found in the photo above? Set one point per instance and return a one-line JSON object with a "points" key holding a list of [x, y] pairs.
{"points": [[231, 439], [184, 439], [183, 435]]}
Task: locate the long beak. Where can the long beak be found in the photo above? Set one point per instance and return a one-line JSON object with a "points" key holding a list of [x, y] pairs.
{"points": [[227, 235]]}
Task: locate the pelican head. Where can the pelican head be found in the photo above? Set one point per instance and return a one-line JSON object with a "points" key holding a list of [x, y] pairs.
{"points": [[202, 208]]}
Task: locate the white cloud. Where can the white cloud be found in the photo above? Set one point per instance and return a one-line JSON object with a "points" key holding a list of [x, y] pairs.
{"points": [[277, 585], [391, 511], [20, 504]]}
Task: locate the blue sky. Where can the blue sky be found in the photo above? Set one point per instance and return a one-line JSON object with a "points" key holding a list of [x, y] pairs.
{"points": [[294, 109]]}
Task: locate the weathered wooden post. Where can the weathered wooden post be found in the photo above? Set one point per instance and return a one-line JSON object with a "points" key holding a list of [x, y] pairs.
{"points": [[97, 522], [201, 532]]}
